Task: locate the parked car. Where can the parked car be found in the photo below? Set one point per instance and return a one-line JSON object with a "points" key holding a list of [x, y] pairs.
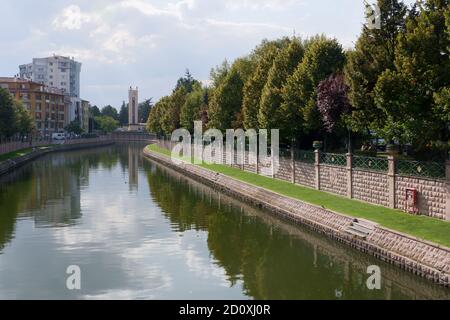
{"points": [[58, 136]]}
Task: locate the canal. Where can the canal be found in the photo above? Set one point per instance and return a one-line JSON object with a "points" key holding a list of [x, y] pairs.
{"points": [[138, 230]]}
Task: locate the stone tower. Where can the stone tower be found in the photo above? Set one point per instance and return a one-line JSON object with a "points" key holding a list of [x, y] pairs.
{"points": [[133, 118]]}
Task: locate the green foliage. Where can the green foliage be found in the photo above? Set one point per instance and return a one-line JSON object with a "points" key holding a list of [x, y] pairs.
{"points": [[323, 57], [110, 111], [412, 97], [218, 74], [23, 122], [271, 115], [170, 120], [156, 114], [123, 114], [74, 127], [226, 102], [144, 110], [196, 102], [265, 54], [187, 82], [374, 53], [107, 124], [7, 114]]}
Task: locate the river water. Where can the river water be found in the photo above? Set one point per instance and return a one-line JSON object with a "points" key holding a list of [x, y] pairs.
{"points": [[137, 230]]}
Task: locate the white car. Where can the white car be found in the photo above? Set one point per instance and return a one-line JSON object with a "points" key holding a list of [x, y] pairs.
{"points": [[58, 136]]}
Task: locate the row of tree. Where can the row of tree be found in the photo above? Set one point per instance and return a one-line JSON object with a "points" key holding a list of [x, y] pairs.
{"points": [[15, 120], [394, 84]]}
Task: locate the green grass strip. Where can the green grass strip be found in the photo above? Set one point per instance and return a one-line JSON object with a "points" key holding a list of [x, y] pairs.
{"points": [[426, 228]]}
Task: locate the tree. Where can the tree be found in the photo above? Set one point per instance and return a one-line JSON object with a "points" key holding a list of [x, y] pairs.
{"points": [[144, 110], [218, 74], [196, 101], [332, 101], [123, 114], [323, 57], [110, 111], [187, 82], [24, 124], [374, 53], [410, 96], [170, 120], [270, 114], [7, 114], [107, 124], [95, 111], [255, 84], [155, 117], [74, 127], [226, 101]]}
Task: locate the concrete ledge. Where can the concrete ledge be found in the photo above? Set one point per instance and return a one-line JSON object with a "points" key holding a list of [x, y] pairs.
{"points": [[12, 164], [422, 258]]}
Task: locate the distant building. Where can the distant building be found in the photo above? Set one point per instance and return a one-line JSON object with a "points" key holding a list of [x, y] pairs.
{"points": [[56, 71], [133, 109], [48, 106]]}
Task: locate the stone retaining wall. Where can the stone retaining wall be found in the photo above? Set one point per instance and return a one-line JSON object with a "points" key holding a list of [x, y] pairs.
{"points": [[8, 165], [422, 258]]}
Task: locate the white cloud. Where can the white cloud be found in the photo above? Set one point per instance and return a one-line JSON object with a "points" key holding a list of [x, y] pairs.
{"points": [[71, 18]]}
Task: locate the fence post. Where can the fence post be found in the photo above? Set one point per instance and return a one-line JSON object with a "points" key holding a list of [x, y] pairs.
{"points": [[293, 163], [447, 181], [317, 165], [391, 181], [350, 175]]}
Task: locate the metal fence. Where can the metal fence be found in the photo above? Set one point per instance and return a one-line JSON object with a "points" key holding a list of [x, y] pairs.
{"points": [[333, 159], [420, 169], [305, 156], [371, 163]]}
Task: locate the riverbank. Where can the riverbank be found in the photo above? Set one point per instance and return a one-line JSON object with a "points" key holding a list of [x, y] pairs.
{"points": [[418, 256], [28, 155]]}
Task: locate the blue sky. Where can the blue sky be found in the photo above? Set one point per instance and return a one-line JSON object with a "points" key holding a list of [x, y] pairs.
{"points": [[150, 43]]}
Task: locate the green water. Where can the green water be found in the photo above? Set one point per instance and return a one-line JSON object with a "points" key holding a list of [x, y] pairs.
{"points": [[140, 231]]}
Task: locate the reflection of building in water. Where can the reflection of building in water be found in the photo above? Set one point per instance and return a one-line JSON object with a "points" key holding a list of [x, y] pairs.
{"points": [[54, 199], [133, 165]]}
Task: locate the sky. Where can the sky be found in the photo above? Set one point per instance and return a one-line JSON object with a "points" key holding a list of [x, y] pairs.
{"points": [[151, 43]]}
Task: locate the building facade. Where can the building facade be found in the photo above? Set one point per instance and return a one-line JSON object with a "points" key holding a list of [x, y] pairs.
{"points": [[56, 71], [48, 106]]}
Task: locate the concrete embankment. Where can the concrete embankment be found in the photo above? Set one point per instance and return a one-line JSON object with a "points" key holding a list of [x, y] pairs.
{"points": [[417, 256], [9, 165]]}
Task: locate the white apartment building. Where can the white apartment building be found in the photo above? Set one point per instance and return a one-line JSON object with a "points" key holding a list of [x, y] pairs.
{"points": [[56, 71]]}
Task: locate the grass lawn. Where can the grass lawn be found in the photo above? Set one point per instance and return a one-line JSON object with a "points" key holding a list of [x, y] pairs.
{"points": [[426, 228], [18, 153]]}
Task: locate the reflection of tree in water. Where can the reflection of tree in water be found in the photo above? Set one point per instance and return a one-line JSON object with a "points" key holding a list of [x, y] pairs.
{"points": [[48, 189], [10, 203], [274, 259]]}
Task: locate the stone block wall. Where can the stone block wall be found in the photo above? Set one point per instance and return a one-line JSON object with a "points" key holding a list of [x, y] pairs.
{"points": [[431, 195], [305, 174], [371, 187], [333, 179], [285, 170]]}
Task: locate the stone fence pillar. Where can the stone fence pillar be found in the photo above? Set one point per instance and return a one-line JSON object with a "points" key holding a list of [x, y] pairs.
{"points": [[349, 175], [317, 166], [447, 181], [292, 164], [391, 181]]}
